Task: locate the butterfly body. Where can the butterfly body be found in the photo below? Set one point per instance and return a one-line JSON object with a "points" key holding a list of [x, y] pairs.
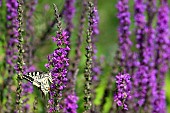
{"points": [[40, 79]]}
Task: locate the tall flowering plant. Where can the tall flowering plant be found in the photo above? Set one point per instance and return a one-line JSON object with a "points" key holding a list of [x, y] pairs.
{"points": [[162, 55], [59, 62], [122, 94], [139, 68], [124, 33]]}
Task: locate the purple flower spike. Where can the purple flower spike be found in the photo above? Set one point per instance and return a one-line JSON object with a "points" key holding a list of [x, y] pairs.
{"points": [[11, 53], [124, 33], [95, 22], [150, 47], [122, 94], [141, 85], [0, 3], [27, 89], [162, 55], [71, 103], [95, 28], [140, 23], [59, 63], [69, 12], [31, 6]]}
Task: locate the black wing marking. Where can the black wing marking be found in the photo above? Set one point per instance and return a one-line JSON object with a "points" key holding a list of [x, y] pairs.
{"points": [[28, 78], [39, 79], [33, 74]]}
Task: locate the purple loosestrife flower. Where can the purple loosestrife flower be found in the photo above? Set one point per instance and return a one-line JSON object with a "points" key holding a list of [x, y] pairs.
{"points": [[95, 25], [96, 67], [141, 85], [149, 58], [71, 103], [72, 75], [124, 33], [0, 3], [27, 88], [59, 62], [11, 51], [69, 12], [162, 55], [30, 5], [140, 23], [122, 94], [150, 47], [150, 35], [26, 108], [144, 78], [146, 74]]}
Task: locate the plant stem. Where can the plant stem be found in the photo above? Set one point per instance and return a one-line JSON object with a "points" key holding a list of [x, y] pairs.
{"points": [[20, 62]]}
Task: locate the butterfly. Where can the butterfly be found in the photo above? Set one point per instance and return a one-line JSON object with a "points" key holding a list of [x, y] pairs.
{"points": [[40, 79]]}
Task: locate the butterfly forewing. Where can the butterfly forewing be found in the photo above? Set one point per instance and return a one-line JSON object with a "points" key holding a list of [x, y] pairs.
{"points": [[40, 79]]}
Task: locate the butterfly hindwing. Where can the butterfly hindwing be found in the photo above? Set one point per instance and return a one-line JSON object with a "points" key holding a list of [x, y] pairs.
{"points": [[45, 86]]}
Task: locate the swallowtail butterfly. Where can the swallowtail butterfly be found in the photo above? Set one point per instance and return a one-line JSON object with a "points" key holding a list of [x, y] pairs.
{"points": [[40, 79]]}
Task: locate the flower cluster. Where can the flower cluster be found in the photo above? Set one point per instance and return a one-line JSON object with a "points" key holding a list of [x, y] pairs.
{"points": [[144, 78], [141, 84], [95, 31], [124, 32], [11, 52], [71, 103], [31, 5], [149, 47], [60, 62], [69, 12], [122, 94], [138, 80], [162, 55], [140, 22], [95, 22], [27, 88]]}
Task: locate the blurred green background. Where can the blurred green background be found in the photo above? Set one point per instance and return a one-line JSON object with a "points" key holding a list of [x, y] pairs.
{"points": [[106, 45]]}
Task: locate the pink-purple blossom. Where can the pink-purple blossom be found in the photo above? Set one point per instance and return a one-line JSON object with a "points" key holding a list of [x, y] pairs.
{"points": [[123, 89], [124, 33], [59, 63], [71, 103]]}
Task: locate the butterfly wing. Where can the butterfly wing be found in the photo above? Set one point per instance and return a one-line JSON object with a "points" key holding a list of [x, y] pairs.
{"points": [[33, 78], [40, 79], [45, 87]]}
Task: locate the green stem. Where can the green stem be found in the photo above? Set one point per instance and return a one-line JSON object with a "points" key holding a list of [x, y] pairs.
{"points": [[20, 62], [88, 68]]}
